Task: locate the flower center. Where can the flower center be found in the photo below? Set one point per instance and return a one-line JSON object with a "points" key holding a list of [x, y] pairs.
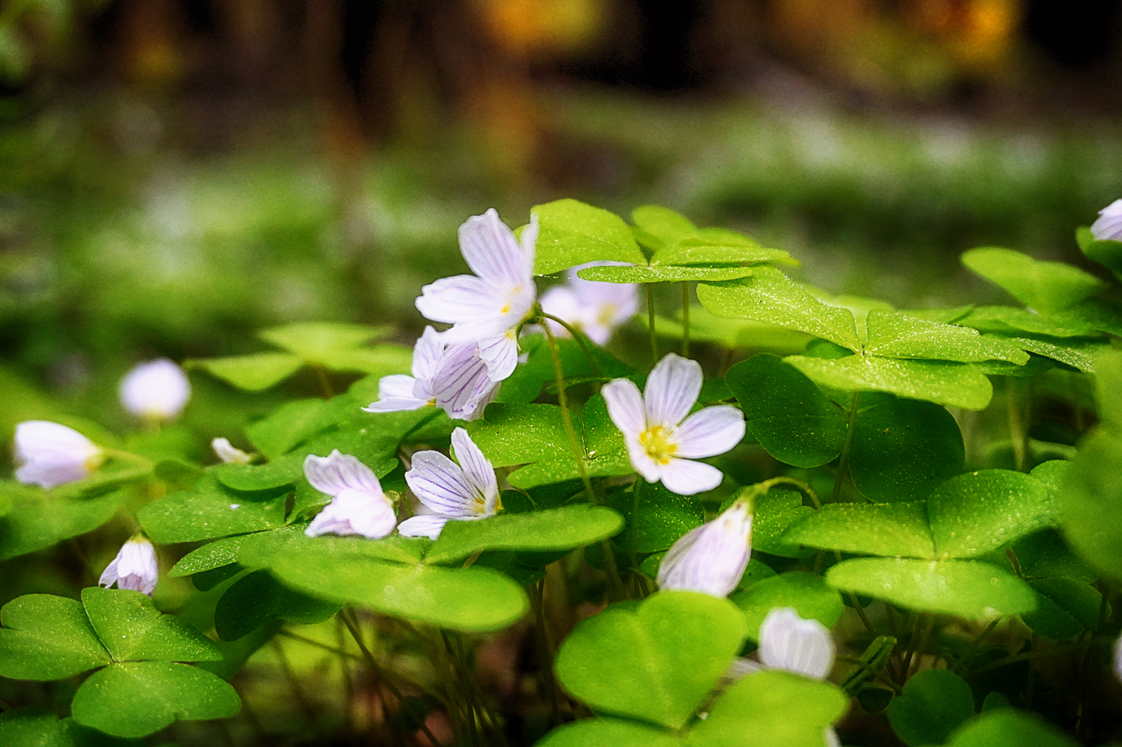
{"points": [[656, 441], [606, 315]]}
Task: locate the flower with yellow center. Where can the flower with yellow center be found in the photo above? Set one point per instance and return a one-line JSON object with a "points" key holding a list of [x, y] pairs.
{"points": [[488, 307], [450, 491], [661, 441], [595, 308]]}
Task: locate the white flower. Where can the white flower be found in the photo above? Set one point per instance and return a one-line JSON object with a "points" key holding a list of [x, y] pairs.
{"points": [[51, 454], [134, 567], [229, 453], [358, 505], [1118, 658], [1108, 227], [790, 643], [711, 558], [591, 307], [451, 491], [488, 307], [661, 446], [156, 390], [451, 377]]}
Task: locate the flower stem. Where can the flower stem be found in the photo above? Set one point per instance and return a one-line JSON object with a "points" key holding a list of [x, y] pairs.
{"points": [[545, 653], [843, 459], [685, 319], [579, 337], [578, 454], [1015, 406], [649, 287]]}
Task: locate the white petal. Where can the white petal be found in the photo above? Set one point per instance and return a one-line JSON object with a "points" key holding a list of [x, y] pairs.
{"points": [[52, 454], [337, 472], [625, 407], [492, 252], [135, 567], [671, 389], [709, 432], [1118, 658], [711, 558], [355, 512], [831, 738], [427, 353], [462, 381], [529, 241], [641, 460], [686, 477], [397, 404], [441, 485], [460, 298], [742, 667], [229, 453], [428, 525], [398, 386], [477, 469], [158, 389], [500, 354], [483, 394], [561, 302], [789, 642], [1108, 227]]}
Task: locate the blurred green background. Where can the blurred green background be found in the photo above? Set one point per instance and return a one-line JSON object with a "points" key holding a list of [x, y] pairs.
{"points": [[175, 175]]}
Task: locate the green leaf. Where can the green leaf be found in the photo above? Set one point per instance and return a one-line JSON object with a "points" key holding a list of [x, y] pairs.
{"points": [[140, 698], [1009, 319], [211, 510], [1041, 285], [807, 593], [254, 373], [791, 418], [660, 520], [655, 660], [775, 708], [1107, 252], [132, 629], [1064, 608], [893, 529], [663, 224], [950, 384], [717, 251], [212, 555], [892, 334], [318, 341], [519, 434], [565, 528], [257, 599], [47, 638], [1009, 728], [1077, 354], [662, 273], [975, 513], [293, 422], [933, 703], [1091, 502], [472, 600], [608, 732], [38, 519], [259, 550], [964, 588], [36, 727], [572, 233], [770, 296], [903, 449], [774, 513]]}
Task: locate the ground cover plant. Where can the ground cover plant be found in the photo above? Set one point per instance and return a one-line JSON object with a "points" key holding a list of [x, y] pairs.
{"points": [[790, 518]]}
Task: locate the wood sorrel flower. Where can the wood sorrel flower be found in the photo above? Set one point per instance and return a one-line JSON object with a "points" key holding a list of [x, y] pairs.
{"points": [[711, 558], [358, 505], [660, 444], [229, 453], [134, 567], [156, 390], [594, 308], [51, 454], [451, 491], [451, 377], [1108, 226], [487, 308], [793, 644]]}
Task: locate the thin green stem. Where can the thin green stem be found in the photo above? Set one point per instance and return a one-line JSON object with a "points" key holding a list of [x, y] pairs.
{"points": [[799, 485], [1015, 405], [545, 653], [1030, 656], [345, 677], [685, 319], [649, 287], [375, 667], [579, 337], [324, 384], [298, 693], [843, 459], [975, 643], [879, 676]]}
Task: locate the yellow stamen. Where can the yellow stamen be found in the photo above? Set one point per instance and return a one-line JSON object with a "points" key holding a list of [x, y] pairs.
{"points": [[656, 442]]}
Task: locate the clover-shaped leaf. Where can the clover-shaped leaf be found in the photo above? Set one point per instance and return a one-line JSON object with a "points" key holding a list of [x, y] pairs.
{"points": [[572, 233], [46, 638], [1042, 285], [36, 727], [655, 661]]}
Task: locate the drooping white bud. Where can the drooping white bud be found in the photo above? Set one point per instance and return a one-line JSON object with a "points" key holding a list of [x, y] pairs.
{"points": [[229, 453], [135, 567], [711, 558], [1108, 227], [156, 390], [358, 504], [793, 644], [50, 454]]}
